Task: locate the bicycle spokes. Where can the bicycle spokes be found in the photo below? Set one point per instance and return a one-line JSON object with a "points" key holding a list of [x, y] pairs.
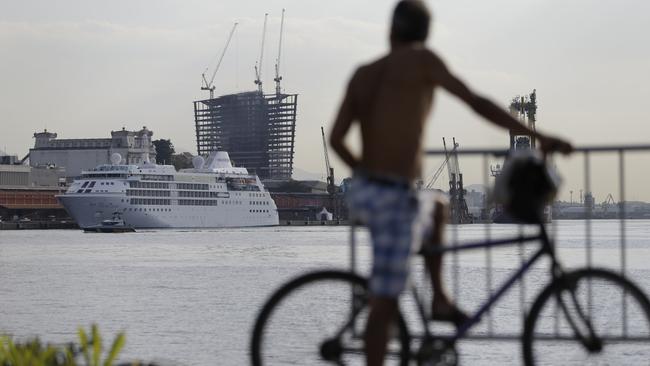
{"points": [[579, 320]]}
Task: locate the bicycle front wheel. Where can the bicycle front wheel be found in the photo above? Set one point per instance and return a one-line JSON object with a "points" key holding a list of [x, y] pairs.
{"points": [[319, 319], [588, 317]]}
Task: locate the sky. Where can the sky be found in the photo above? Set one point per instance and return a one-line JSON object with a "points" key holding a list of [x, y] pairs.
{"points": [[83, 68]]}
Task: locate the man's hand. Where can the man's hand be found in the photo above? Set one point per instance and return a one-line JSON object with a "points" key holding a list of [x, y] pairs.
{"points": [[550, 144]]}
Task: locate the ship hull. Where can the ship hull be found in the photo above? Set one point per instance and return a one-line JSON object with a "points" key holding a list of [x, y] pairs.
{"points": [[90, 211]]}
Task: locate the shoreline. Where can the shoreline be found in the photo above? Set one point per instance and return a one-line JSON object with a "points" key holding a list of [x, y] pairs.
{"points": [[37, 225]]}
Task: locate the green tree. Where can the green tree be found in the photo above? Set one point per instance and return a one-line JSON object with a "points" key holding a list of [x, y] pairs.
{"points": [[182, 160], [164, 151]]}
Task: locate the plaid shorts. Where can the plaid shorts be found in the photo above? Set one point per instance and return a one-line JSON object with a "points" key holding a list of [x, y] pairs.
{"points": [[389, 209]]}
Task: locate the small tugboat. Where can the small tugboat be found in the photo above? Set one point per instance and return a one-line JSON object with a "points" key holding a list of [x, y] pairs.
{"points": [[113, 225]]}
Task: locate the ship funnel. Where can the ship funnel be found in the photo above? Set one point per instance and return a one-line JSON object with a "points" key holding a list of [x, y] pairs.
{"points": [[219, 160]]}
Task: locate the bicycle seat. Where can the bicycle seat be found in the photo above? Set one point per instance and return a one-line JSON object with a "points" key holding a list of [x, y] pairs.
{"points": [[526, 184]]}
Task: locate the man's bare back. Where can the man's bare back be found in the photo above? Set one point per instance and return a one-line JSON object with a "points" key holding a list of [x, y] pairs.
{"points": [[391, 99]]}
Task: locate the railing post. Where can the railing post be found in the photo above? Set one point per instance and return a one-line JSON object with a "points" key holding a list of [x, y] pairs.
{"points": [[488, 250], [455, 264], [588, 215], [621, 182], [353, 247], [522, 281]]}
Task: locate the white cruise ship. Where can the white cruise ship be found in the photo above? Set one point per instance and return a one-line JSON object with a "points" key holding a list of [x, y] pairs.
{"points": [[213, 194]]}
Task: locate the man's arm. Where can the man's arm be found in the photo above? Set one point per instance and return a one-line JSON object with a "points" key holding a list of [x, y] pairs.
{"points": [[344, 119], [491, 111]]}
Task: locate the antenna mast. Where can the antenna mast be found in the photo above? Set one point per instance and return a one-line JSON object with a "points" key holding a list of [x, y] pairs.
{"points": [[258, 65], [209, 85], [278, 78]]}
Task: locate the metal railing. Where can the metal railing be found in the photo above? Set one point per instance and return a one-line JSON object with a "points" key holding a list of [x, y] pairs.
{"points": [[587, 153]]}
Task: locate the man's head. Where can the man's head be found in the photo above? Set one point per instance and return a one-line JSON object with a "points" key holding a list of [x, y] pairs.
{"points": [[411, 20]]}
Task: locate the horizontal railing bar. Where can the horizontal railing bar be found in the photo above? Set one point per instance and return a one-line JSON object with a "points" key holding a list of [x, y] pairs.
{"points": [[502, 152], [479, 245], [539, 337]]}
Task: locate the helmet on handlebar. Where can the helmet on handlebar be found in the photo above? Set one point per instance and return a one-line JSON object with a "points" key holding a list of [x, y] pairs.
{"points": [[526, 184]]}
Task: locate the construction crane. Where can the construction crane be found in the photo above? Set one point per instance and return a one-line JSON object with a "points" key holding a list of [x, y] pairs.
{"points": [[458, 205], [278, 78], [329, 171], [258, 65], [209, 85], [438, 172]]}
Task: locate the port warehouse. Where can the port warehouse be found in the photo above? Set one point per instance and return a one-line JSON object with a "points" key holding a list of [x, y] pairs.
{"points": [[76, 155], [30, 193]]}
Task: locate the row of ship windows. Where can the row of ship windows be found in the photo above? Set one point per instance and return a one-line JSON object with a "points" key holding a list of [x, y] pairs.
{"points": [[158, 185], [191, 194], [203, 194], [197, 203], [157, 201], [149, 201], [170, 210], [157, 177], [131, 192], [91, 190], [154, 185], [185, 186], [203, 187], [148, 209]]}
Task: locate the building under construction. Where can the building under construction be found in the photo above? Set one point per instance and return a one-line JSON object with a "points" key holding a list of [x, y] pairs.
{"points": [[258, 130]]}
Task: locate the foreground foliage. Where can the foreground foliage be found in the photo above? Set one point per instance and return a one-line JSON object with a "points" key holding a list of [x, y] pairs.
{"points": [[34, 353]]}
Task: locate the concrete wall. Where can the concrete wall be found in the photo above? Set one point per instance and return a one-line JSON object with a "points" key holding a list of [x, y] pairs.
{"points": [[14, 175], [74, 161], [46, 177]]}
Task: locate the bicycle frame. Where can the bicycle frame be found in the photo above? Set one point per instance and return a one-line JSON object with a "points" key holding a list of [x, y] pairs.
{"points": [[546, 248]]}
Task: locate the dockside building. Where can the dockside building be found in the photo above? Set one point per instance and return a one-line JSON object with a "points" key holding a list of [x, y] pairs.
{"points": [[76, 155]]}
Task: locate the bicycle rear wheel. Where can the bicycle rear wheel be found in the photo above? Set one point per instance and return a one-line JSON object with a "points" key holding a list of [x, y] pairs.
{"points": [[318, 319], [588, 317]]}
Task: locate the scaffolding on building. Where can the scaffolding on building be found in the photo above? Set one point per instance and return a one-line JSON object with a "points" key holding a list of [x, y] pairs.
{"points": [[257, 130]]}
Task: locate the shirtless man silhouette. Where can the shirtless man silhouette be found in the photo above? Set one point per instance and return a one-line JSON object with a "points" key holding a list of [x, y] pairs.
{"points": [[390, 98]]}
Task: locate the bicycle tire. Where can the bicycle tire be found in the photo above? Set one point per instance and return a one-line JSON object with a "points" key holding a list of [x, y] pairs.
{"points": [[262, 356], [579, 286]]}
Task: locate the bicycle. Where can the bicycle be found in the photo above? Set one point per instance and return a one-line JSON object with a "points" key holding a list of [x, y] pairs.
{"points": [[568, 311]]}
